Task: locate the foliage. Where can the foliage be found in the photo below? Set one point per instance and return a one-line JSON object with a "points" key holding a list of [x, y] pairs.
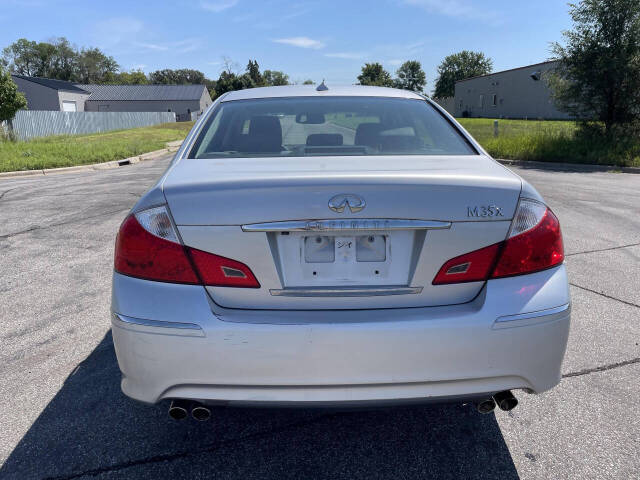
{"points": [[275, 78], [11, 100], [599, 68], [552, 141], [253, 70], [59, 60], [410, 76], [252, 78], [374, 74], [459, 66], [95, 67], [183, 76], [308, 82], [66, 151], [134, 77]]}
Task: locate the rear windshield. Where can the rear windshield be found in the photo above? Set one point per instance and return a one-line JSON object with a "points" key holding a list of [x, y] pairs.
{"points": [[308, 126]]}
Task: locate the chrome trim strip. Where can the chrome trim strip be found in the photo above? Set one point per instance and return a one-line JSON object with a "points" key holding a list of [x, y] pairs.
{"points": [[157, 326], [351, 224], [539, 313], [345, 292]]}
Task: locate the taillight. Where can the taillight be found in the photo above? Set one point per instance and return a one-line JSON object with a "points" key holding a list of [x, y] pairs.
{"points": [[148, 247], [471, 267], [534, 243]]}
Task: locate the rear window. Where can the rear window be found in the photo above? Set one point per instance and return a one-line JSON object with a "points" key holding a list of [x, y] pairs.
{"points": [[308, 126]]}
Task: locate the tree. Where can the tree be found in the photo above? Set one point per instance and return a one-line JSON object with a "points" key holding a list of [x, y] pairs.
{"points": [[253, 70], [64, 64], [11, 100], [459, 66], [410, 76], [184, 76], [374, 74], [21, 57], [60, 60], [229, 81], [95, 67], [308, 82], [599, 68], [274, 78], [134, 77]]}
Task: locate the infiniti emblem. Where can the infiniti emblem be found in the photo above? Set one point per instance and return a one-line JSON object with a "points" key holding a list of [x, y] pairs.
{"points": [[354, 202]]}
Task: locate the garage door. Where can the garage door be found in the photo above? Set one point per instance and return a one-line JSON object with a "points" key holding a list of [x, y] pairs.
{"points": [[68, 106]]}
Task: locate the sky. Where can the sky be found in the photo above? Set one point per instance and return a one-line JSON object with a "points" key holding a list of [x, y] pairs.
{"points": [[323, 39]]}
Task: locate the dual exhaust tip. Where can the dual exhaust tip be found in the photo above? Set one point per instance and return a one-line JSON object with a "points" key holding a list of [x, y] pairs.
{"points": [[179, 410], [504, 400]]}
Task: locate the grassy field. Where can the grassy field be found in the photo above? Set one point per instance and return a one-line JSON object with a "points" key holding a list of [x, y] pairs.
{"points": [[66, 151], [551, 141], [540, 140], [546, 141]]}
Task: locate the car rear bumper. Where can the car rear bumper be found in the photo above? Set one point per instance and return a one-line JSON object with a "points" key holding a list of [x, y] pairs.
{"points": [[171, 344]]}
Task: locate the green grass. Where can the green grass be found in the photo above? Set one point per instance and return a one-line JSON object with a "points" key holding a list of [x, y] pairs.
{"points": [[546, 141], [539, 140], [551, 141], [67, 150]]}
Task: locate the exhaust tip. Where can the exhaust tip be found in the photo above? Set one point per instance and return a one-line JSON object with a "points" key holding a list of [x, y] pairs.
{"points": [[486, 406], [201, 413], [505, 400], [178, 410]]}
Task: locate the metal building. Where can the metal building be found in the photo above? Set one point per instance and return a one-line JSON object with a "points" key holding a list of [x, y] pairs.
{"points": [[183, 100], [517, 93], [49, 94]]}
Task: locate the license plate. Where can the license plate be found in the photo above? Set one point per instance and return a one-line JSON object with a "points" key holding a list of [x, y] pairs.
{"points": [[345, 249], [334, 259]]}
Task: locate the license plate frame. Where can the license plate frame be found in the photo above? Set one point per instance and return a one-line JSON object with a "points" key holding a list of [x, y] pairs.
{"points": [[345, 270]]}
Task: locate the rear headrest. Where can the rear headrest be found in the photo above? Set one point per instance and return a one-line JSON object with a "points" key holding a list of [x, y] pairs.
{"points": [[324, 140], [265, 135], [367, 134]]}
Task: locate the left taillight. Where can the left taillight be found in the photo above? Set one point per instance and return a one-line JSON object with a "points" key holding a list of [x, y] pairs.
{"points": [[148, 247], [534, 243]]}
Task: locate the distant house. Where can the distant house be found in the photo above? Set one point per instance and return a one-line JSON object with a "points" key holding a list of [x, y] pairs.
{"points": [[48, 94], [181, 99], [517, 93]]}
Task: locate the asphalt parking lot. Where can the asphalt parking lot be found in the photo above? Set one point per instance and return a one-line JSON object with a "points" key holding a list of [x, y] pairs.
{"points": [[63, 415]]}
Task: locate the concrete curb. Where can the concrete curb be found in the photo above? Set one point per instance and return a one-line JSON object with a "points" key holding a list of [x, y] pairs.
{"points": [[569, 167], [171, 147]]}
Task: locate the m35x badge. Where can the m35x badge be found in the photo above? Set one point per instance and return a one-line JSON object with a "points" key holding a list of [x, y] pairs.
{"points": [[483, 211]]}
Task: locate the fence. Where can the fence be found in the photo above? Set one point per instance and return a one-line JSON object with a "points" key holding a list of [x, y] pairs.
{"points": [[39, 123]]}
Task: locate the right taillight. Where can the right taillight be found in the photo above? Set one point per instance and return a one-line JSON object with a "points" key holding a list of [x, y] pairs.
{"points": [[148, 247], [534, 243]]}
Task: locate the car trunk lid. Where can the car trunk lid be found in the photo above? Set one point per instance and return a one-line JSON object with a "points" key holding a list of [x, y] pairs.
{"points": [[273, 214]]}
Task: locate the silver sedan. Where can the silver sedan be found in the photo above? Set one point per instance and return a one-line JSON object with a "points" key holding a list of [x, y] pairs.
{"points": [[337, 246]]}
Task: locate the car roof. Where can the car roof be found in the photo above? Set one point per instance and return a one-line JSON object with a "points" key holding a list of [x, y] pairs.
{"points": [[310, 91]]}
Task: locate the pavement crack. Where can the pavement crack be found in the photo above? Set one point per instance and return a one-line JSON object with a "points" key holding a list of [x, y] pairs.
{"points": [[59, 224], [631, 304], [169, 457], [602, 368], [6, 191], [603, 249]]}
